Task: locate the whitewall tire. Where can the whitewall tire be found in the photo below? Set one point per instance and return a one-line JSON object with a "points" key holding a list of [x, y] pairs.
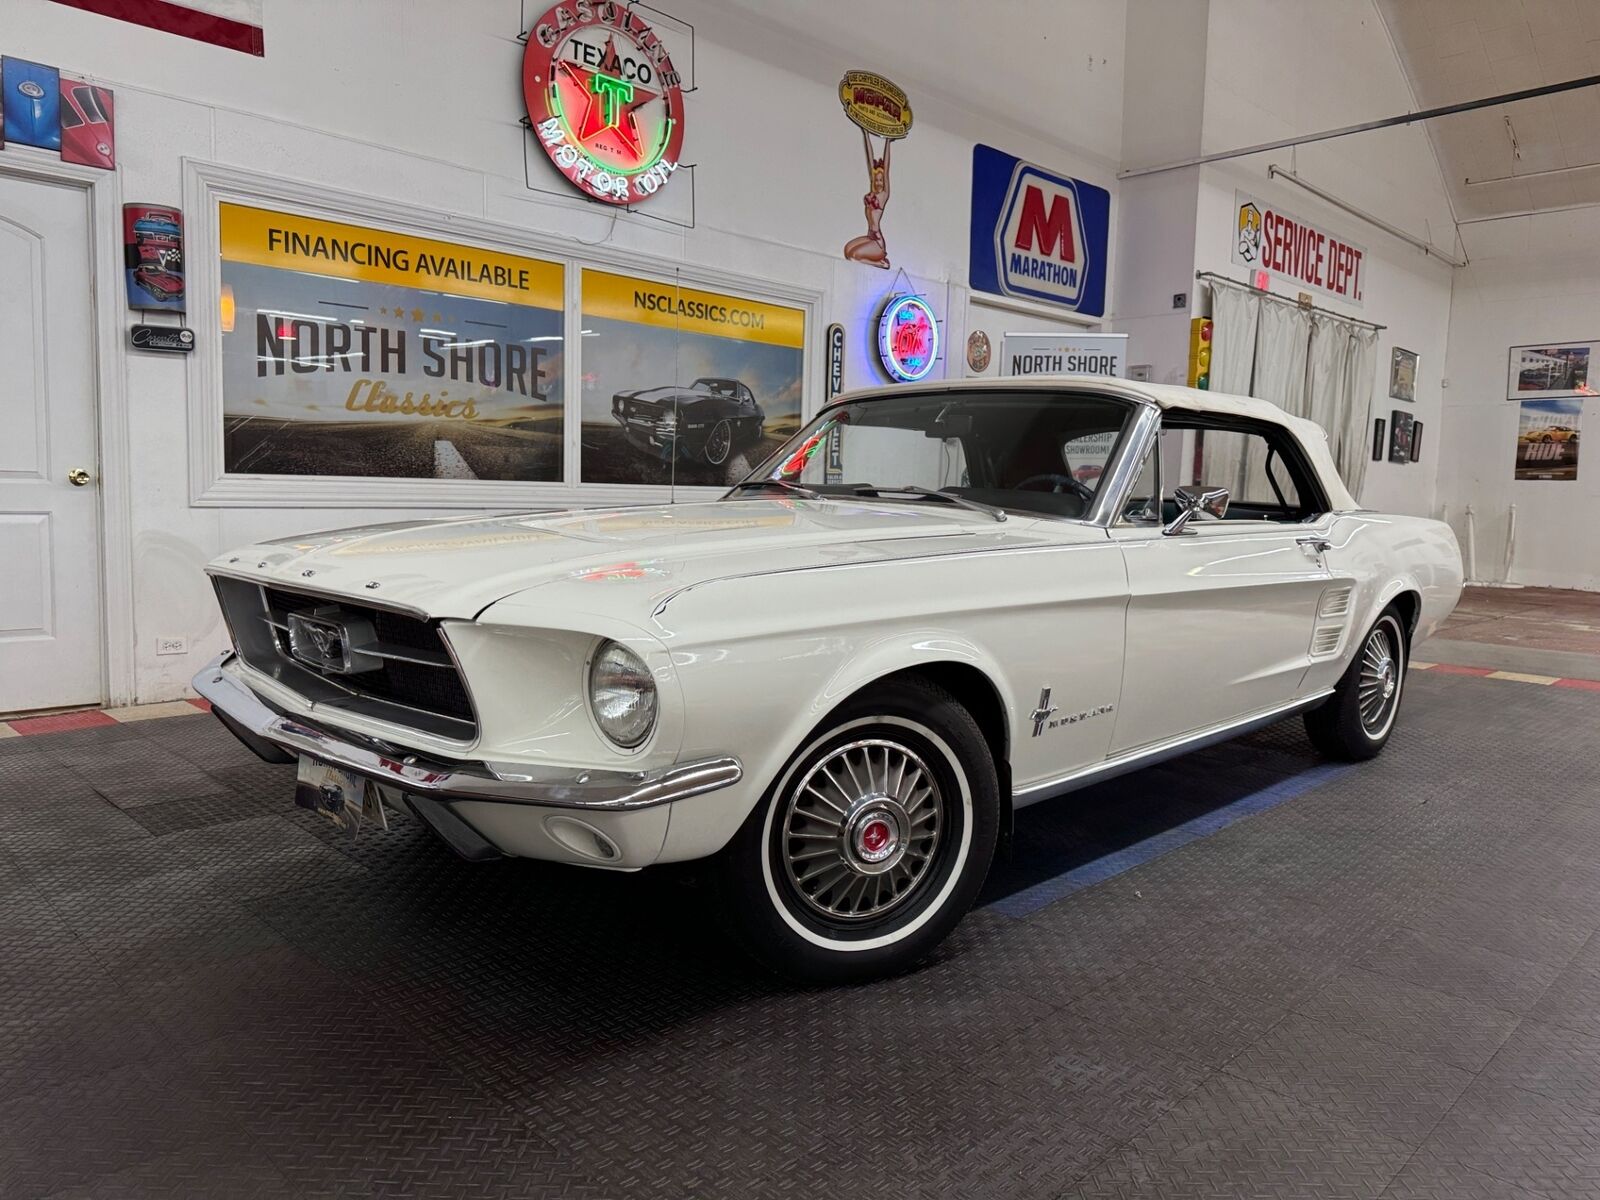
{"points": [[873, 841]]}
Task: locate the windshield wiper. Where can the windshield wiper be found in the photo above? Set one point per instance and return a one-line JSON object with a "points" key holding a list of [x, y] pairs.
{"points": [[804, 492], [989, 510]]}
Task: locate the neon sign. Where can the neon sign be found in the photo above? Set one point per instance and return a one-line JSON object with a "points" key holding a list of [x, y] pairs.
{"points": [[908, 338], [604, 100]]}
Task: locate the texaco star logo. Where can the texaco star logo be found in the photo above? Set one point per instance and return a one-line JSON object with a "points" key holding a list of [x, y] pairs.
{"points": [[604, 100]]}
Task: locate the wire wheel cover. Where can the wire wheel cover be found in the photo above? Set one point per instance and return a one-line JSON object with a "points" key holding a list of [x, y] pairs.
{"points": [[861, 828], [1379, 682], [719, 442]]}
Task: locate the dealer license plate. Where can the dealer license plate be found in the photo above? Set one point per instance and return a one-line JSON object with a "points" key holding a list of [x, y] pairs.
{"points": [[343, 797]]}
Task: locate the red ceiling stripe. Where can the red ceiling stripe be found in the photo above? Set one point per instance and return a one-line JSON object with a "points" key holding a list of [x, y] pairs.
{"points": [[181, 20]]}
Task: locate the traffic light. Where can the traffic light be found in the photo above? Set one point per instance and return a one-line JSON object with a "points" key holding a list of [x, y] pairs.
{"points": [[1200, 353]]}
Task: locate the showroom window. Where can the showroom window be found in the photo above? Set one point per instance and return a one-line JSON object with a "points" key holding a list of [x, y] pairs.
{"points": [[361, 354]]}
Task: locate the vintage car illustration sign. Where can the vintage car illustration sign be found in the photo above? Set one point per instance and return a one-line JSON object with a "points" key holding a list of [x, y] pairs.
{"points": [[356, 351], [1037, 234], [1266, 238], [152, 247], [684, 386], [31, 104], [604, 100]]}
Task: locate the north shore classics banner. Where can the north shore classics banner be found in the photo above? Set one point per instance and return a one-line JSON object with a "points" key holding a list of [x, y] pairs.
{"points": [[683, 386], [355, 351]]}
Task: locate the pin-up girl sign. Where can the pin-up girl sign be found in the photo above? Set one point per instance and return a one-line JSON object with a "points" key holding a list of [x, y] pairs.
{"points": [[880, 109]]}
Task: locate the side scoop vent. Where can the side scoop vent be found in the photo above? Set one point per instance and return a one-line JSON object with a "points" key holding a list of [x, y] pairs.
{"points": [[1333, 613]]}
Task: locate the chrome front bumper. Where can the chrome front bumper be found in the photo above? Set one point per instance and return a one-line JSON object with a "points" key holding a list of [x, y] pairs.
{"points": [[395, 767]]}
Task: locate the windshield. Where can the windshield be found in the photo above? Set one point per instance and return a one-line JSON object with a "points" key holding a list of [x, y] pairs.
{"points": [[1028, 450]]}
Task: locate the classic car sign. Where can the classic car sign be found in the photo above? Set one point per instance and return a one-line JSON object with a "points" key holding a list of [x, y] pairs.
{"points": [[604, 100], [1268, 239], [908, 338], [1036, 234], [683, 386]]}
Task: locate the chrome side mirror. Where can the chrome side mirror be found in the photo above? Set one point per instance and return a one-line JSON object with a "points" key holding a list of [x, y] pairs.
{"points": [[1197, 498]]}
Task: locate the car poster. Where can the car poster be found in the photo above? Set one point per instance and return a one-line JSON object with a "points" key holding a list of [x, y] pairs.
{"points": [[356, 351], [1550, 370], [152, 248], [1547, 439], [682, 386]]}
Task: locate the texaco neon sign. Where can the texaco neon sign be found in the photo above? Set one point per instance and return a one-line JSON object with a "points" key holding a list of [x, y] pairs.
{"points": [[604, 100]]}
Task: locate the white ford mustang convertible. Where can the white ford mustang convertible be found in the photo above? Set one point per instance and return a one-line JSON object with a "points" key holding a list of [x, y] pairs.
{"points": [[934, 605]]}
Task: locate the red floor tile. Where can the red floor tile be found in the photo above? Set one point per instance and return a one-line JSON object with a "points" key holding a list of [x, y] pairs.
{"points": [[1582, 685], [61, 722]]}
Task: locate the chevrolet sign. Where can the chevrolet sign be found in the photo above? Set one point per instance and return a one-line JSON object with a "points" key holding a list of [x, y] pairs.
{"points": [[1036, 234]]}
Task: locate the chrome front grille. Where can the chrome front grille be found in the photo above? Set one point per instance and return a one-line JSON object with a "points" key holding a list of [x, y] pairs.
{"points": [[388, 665]]}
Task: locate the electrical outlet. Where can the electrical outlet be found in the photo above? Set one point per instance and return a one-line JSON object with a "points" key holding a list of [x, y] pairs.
{"points": [[172, 645]]}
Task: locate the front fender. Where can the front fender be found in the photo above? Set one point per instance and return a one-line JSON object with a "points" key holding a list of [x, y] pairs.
{"points": [[766, 731]]}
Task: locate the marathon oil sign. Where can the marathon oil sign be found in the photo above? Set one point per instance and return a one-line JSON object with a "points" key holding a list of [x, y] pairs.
{"points": [[1265, 238], [1036, 234]]}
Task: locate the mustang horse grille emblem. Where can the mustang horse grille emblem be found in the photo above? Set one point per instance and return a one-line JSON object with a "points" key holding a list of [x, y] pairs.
{"points": [[319, 644], [1043, 713]]}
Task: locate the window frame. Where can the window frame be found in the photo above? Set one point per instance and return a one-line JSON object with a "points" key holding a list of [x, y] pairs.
{"points": [[1282, 444]]}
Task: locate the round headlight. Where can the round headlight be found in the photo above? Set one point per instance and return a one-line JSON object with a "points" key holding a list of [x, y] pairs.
{"points": [[622, 694]]}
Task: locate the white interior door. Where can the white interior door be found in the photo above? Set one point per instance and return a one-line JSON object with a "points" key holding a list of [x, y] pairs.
{"points": [[50, 604]]}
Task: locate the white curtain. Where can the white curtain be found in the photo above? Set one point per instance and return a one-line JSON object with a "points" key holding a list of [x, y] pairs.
{"points": [[1282, 337], [1349, 436], [1235, 315], [1328, 378]]}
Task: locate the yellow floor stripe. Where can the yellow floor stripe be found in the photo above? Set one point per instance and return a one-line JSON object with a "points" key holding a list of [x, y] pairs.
{"points": [[146, 712], [1520, 677], [6, 731], [1420, 666]]}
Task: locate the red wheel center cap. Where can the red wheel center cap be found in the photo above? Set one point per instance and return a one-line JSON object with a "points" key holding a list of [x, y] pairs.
{"points": [[875, 835]]}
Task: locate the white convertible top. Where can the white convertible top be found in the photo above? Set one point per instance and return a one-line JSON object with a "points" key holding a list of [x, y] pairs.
{"points": [[1311, 436]]}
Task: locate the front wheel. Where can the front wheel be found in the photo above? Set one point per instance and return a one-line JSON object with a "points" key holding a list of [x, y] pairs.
{"points": [[872, 843], [1355, 722]]}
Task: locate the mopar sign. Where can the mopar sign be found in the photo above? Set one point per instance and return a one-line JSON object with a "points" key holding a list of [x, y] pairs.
{"points": [[1036, 234]]}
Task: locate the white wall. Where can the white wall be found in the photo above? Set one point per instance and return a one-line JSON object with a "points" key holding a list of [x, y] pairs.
{"points": [[1531, 279], [1274, 70], [420, 102]]}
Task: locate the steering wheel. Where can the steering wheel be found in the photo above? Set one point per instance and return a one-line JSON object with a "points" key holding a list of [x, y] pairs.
{"points": [[1058, 484]]}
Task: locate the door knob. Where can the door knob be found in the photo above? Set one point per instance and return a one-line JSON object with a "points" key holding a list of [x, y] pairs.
{"points": [[78, 477]]}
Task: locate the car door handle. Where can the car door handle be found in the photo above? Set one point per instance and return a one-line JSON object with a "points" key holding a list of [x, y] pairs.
{"points": [[1320, 544]]}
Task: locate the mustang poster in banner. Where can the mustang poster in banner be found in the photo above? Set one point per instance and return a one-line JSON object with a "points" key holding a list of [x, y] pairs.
{"points": [[1268, 239], [1547, 439], [356, 351], [683, 386], [1036, 234]]}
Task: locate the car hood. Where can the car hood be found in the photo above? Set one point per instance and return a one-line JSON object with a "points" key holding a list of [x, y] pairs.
{"points": [[456, 568]]}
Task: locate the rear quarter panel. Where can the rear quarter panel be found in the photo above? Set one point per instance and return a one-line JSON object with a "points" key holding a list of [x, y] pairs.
{"points": [[1383, 555]]}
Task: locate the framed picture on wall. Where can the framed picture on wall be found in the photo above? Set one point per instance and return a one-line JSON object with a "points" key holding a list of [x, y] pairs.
{"points": [[1378, 444], [1400, 436], [1552, 370], [1403, 375]]}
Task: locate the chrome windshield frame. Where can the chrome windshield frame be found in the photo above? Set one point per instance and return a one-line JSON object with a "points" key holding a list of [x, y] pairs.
{"points": [[1121, 473]]}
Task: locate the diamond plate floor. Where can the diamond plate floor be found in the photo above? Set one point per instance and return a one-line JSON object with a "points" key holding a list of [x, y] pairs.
{"points": [[1385, 986]]}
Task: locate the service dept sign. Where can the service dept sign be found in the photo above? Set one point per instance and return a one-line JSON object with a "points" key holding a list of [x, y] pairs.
{"points": [[1265, 238], [604, 100], [1036, 234]]}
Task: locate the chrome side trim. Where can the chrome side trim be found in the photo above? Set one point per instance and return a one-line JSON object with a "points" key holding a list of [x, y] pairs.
{"points": [[1149, 756], [448, 781]]}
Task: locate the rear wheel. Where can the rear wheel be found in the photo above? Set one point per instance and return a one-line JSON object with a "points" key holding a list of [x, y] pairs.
{"points": [[1355, 722], [872, 843], [718, 443]]}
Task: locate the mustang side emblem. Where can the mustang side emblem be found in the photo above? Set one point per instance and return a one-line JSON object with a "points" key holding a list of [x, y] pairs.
{"points": [[1041, 715]]}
